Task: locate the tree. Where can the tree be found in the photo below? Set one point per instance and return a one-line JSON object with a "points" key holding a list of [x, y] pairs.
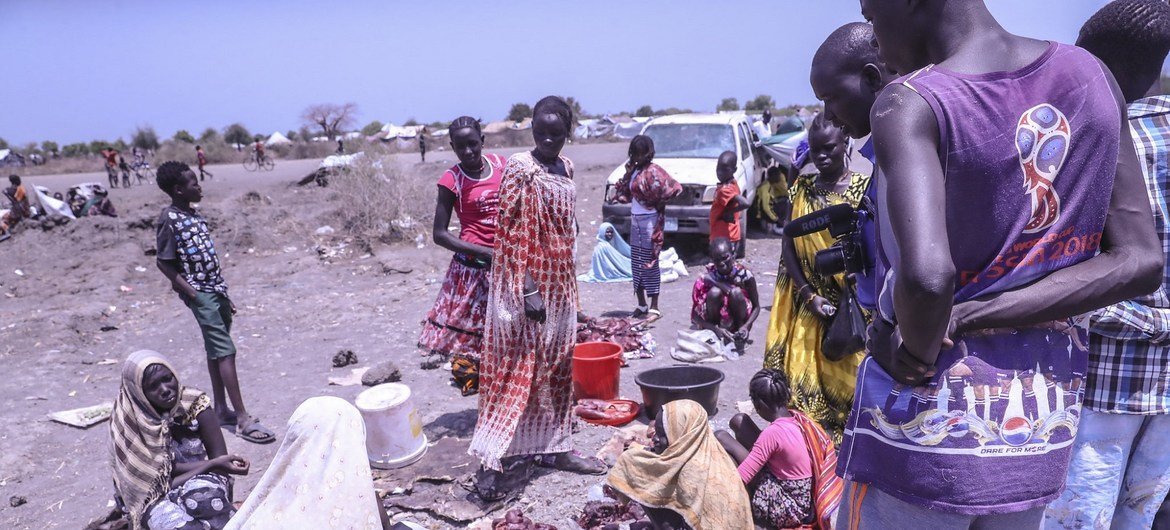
{"points": [[578, 112], [96, 146], [182, 135], [372, 128], [49, 146], [120, 144], [304, 134], [728, 104], [77, 149], [291, 135], [144, 138], [237, 134], [410, 122], [519, 111], [760, 103], [3, 143], [331, 118], [209, 135], [645, 111]]}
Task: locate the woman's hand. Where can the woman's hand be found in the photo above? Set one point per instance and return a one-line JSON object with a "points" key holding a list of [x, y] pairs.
{"points": [[821, 307], [534, 307], [232, 464]]}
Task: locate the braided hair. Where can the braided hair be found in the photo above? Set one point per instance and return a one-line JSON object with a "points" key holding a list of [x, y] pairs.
{"points": [[556, 106], [770, 387], [170, 174], [641, 154], [465, 122], [1132, 38]]}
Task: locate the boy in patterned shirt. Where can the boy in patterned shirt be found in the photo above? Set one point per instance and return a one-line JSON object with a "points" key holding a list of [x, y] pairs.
{"points": [[187, 257]]}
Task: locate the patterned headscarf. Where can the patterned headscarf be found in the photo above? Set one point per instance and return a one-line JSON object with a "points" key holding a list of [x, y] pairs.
{"points": [[140, 450]]}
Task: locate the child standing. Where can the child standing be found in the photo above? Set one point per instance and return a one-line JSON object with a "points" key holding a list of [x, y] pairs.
{"points": [[789, 466], [728, 203], [202, 159], [187, 257]]}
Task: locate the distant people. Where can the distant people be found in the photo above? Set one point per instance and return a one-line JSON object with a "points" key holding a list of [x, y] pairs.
{"points": [[422, 143], [19, 207], [258, 151], [1120, 465], [320, 476], [202, 161], [917, 449], [453, 328], [611, 258], [806, 300], [124, 168], [139, 157], [767, 117], [100, 204], [171, 465], [525, 404], [340, 147], [725, 299], [789, 467], [188, 259], [685, 479], [646, 187], [111, 159], [724, 218]]}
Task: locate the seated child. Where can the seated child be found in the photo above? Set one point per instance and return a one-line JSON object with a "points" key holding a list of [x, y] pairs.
{"points": [[685, 480], [171, 467], [725, 299], [782, 473]]}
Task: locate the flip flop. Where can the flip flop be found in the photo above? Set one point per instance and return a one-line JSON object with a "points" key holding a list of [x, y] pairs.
{"points": [[653, 316], [252, 431], [550, 461], [639, 312]]}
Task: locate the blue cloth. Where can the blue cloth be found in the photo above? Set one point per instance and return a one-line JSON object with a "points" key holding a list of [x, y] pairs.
{"points": [[1129, 344], [867, 281], [611, 259]]}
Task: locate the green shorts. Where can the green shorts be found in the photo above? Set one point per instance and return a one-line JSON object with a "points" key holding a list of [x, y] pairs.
{"points": [[213, 312]]}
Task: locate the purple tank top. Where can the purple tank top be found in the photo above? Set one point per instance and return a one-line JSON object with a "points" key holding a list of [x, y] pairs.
{"points": [[1029, 159]]}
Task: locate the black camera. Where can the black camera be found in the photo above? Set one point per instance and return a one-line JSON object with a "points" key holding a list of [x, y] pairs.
{"points": [[844, 224]]}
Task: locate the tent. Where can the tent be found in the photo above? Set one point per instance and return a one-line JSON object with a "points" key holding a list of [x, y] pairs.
{"points": [[44, 203], [498, 126], [9, 157], [277, 138], [627, 130], [391, 131]]}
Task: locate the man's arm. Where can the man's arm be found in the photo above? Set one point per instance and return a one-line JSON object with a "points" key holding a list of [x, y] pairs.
{"points": [[906, 138], [1128, 266]]}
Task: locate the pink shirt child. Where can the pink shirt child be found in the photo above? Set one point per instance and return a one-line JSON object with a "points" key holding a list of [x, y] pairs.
{"points": [[476, 200], [781, 447]]}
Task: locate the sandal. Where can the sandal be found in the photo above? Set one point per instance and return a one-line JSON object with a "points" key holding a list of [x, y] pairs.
{"points": [[653, 316], [639, 312], [552, 461], [254, 432]]}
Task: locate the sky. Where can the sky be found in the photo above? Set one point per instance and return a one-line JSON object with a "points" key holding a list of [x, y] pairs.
{"points": [[78, 70]]}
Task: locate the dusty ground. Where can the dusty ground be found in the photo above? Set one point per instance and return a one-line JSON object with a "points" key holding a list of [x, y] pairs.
{"points": [[296, 311]]}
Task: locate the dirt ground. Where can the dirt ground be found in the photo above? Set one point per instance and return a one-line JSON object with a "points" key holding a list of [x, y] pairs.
{"points": [[60, 288]]}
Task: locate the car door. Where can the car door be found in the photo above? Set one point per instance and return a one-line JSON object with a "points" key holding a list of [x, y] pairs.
{"points": [[747, 161]]}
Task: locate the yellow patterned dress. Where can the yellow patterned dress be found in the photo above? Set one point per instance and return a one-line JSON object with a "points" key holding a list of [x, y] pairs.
{"points": [[821, 388]]}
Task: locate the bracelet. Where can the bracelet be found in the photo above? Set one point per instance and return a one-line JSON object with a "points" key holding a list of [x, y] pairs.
{"points": [[526, 295]]}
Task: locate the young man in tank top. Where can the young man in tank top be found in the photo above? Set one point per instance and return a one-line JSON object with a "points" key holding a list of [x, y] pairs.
{"points": [[1016, 203]]}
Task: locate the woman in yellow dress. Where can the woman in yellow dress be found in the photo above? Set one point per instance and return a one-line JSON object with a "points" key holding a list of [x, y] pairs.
{"points": [[805, 301]]}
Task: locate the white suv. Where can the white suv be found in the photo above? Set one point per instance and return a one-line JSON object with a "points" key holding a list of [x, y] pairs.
{"points": [[687, 146]]}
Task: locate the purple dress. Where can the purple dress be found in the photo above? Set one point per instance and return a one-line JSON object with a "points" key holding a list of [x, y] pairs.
{"points": [[1029, 159]]}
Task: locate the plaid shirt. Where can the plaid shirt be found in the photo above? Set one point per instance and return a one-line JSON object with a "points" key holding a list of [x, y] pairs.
{"points": [[1129, 355]]}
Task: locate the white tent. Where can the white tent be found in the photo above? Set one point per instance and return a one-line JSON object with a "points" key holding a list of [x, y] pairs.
{"points": [[391, 131], [277, 139], [44, 203]]}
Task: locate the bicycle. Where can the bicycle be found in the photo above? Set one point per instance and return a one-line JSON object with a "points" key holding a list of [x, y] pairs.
{"points": [[142, 171], [265, 163]]}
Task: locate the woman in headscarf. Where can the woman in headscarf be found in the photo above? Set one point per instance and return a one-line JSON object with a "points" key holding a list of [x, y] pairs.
{"points": [[320, 476], [687, 479], [647, 188], [525, 403], [805, 300], [611, 258], [453, 329], [170, 462]]}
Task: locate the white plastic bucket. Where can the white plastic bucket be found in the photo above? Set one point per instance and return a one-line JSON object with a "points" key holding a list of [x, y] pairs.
{"points": [[394, 436]]}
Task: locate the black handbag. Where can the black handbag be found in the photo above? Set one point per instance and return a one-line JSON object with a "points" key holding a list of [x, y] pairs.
{"points": [[846, 333]]}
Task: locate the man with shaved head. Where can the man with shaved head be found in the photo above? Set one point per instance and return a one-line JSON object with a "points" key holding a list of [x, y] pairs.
{"points": [[1017, 204]]}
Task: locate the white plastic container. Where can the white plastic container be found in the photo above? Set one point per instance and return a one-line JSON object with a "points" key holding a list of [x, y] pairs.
{"points": [[394, 436]]}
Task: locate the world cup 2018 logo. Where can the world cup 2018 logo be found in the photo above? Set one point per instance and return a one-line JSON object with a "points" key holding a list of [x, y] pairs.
{"points": [[1042, 138]]}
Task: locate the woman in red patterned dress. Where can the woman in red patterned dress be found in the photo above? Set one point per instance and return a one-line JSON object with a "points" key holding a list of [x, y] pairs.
{"points": [[525, 404], [453, 329]]}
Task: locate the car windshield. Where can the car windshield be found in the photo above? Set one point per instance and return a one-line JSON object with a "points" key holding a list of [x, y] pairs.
{"points": [[691, 140]]}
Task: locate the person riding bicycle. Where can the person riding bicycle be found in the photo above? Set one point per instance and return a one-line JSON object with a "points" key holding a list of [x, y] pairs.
{"points": [[139, 158], [258, 148]]}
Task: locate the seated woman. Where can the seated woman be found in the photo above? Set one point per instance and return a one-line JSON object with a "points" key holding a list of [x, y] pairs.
{"points": [[170, 462], [611, 258], [320, 476], [725, 299], [686, 480], [775, 463]]}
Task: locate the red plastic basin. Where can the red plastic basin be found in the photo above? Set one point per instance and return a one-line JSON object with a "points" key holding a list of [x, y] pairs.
{"points": [[596, 370]]}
